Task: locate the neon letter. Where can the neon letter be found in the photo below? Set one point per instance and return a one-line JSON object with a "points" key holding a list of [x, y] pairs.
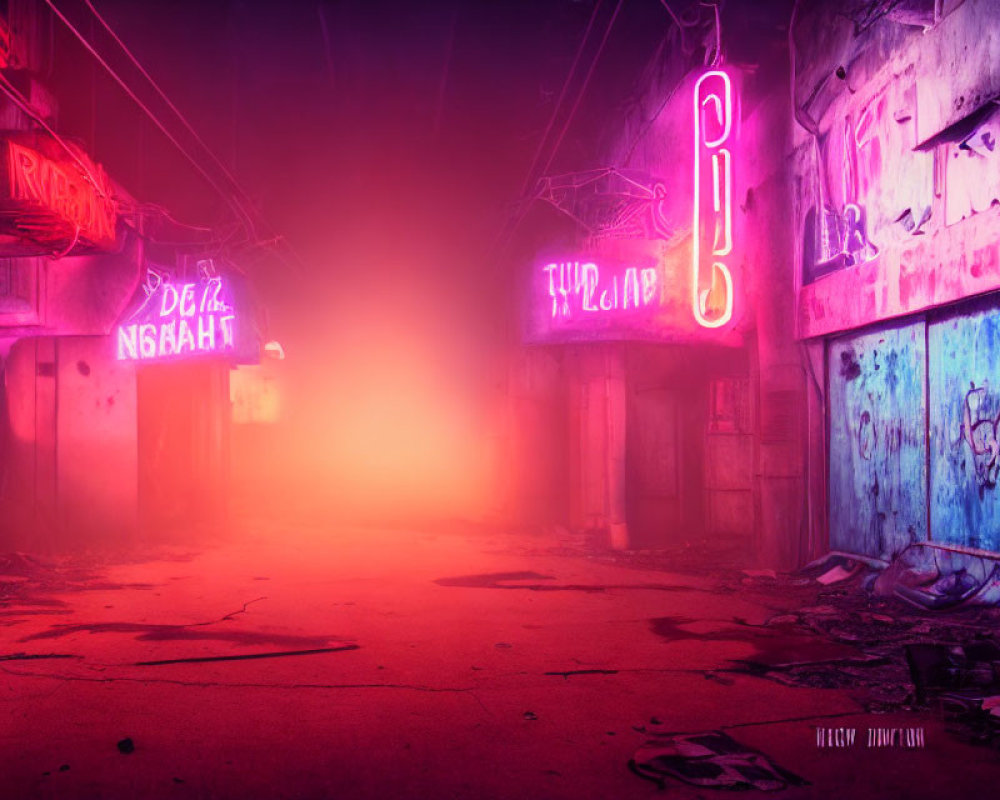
{"points": [[169, 301], [147, 341], [226, 323], [590, 278], [630, 287], [185, 338], [128, 344], [168, 338], [187, 300], [206, 333], [648, 285]]}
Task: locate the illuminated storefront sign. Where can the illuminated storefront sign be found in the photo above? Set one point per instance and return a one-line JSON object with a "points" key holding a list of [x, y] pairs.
{"points": [[579, 289], [711, 278], [590, 297], [179, 319], [54, 200]]}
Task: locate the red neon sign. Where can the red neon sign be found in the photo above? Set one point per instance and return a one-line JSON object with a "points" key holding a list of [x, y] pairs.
{"points": [[57, 202], [711, 278]]}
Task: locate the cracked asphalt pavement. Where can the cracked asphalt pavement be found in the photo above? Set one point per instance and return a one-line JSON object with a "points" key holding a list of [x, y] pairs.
{"points": [[321, 662]]}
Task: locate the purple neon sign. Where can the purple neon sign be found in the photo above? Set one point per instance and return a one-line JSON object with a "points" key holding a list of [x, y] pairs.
{"points": [[581, 289], [177, 320]]}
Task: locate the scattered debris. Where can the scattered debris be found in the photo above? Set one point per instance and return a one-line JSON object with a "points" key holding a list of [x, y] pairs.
{"points": [[819, 610], [935, 577], [710, 759], [126, 746], [838, 567], [63, 767]]}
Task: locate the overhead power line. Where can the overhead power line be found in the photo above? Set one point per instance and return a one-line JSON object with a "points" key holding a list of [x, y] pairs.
{"points": [[224, 182], [534, 174]]}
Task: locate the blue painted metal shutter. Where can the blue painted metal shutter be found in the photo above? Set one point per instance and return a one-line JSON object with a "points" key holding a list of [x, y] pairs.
{"points": [[964, 367], [878, 450]]}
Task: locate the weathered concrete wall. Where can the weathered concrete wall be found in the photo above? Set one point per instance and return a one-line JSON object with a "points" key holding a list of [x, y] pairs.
{"points": [[782, 532], [897, 181], [894, 190], [539, 438], [96, 435], [70, 471]]}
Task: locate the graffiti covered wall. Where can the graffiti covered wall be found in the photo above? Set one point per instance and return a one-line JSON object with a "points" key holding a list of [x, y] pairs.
{"points": [[964, 390], [878, 474]]}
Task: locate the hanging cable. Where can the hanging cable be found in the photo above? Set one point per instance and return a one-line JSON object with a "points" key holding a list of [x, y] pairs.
{"points": [[217, 161], [525, 202], [236, 206], [716, 54], [673, 16], [583, 87], [562, 95]]}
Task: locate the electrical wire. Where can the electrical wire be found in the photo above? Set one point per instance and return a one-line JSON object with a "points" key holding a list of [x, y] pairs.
{"points": [[717, 56], [525, 203], [218, 162], [562, 95], [673, 16], [799, 114], [235, 197], [232, 201], [583, 87]]}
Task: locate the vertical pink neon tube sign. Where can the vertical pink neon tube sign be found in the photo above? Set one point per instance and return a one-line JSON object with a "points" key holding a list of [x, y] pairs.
{"points": [[713, 231]]}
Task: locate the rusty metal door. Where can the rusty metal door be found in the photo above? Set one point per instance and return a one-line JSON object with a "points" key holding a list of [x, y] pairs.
{"points": [[878, 444], [653, 445], [964, 372]]}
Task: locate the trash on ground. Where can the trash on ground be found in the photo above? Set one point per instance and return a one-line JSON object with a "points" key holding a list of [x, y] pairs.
{"points": [[935, 577], [709, 759]]}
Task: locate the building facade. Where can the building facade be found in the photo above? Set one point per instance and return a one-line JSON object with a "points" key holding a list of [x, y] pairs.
{"points": [[830, 173], [116, 348]]}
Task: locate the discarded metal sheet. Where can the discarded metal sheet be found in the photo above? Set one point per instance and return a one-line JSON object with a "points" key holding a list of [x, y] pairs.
{"points": [[964, 374], [936, 577]]}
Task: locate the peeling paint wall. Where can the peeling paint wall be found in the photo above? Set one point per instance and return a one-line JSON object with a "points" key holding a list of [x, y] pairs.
{"points": [[964, 382], [878, 476], [896, 170], [895, 185], [70, 406]]}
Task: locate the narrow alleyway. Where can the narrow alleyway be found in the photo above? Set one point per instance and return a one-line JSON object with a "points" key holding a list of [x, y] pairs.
{"points": [[447, 663]]}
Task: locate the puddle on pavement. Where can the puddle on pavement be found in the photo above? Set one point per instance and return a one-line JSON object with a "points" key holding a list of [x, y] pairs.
{"points": [[772, 646], [517, 580], [169, 633]]}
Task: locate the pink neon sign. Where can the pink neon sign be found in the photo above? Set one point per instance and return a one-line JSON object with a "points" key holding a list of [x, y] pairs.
{"points": [[579, 289], [178, 319], [711, 279]]}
